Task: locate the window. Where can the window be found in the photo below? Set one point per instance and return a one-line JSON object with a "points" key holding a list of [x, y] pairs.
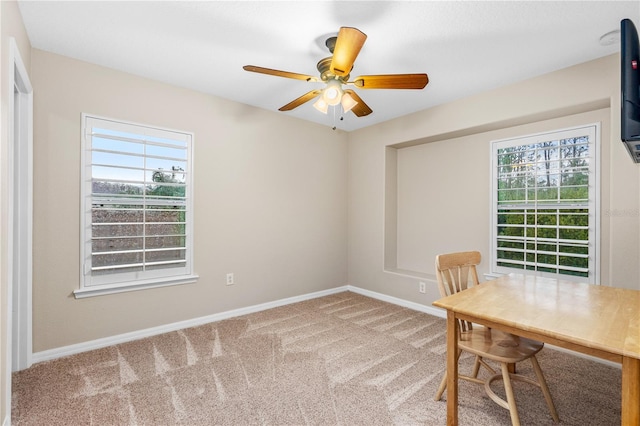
{"points": [[545, 211], [136, 207]]}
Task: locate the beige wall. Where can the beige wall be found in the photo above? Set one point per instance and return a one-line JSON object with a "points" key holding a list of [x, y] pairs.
{"points": [[10, 26], [292, 207], [270, 203], [444, 149], [444, 192]]}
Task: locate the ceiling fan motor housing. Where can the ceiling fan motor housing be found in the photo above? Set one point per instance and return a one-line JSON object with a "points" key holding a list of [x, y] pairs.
{"points": [[324, 66]]}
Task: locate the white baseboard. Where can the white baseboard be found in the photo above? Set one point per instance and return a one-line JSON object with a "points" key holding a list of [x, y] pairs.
{"points": [[148, 332], [135, 335], [400, 302]]}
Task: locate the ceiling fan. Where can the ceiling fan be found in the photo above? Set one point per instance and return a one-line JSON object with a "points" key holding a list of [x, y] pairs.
{"points": [[335, 72]]}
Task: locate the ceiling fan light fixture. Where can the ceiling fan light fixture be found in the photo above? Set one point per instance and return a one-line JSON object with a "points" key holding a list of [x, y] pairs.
{"points": [[335, 72], [321, 105], [332, 93], [348, 102], [332, 96]]}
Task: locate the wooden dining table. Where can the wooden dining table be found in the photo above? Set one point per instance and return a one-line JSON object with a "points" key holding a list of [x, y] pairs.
{"points": [[596, 320]]}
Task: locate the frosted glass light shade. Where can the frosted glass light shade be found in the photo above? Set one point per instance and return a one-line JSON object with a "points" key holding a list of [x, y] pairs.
{"points": [[348, 102], [321, 105]]}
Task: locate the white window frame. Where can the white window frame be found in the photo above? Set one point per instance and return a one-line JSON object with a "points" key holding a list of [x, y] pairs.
{"points": [[593, 204], [95, 284]]}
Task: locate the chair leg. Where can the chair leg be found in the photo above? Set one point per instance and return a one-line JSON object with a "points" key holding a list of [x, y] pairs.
{"points": [[443, 383], [511, 400], [545, 389], [441, 388], [476, 367]]}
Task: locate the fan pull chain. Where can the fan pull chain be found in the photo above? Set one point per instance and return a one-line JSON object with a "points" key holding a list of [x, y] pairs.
{"points": [[334, 108]]}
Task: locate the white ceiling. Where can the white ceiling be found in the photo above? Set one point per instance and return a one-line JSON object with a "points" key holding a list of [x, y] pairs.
{"points": [[465, 47]]}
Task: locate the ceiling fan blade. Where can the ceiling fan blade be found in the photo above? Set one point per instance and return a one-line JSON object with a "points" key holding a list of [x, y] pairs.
{"points": [[348, 45], [279, 73], [361, 109], [391, 81], [299, 101]]}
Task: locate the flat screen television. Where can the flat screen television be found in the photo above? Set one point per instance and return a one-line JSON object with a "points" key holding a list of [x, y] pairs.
{"points": [[630, 96]]}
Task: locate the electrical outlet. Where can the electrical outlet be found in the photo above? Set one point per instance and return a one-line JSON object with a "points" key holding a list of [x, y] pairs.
{"points": [[422, 287], [230, 280]]}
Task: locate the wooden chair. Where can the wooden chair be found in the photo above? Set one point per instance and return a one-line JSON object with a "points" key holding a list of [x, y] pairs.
{"points": [[456, 272]]}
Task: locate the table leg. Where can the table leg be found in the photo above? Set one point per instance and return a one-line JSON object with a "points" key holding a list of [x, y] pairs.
{"points": [[630, 391], [452, 369]]}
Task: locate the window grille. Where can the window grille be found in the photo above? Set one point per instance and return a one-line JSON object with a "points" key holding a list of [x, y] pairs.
{"points": [[545, 215]]}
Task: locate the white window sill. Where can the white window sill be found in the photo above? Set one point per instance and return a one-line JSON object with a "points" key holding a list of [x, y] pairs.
{"points": [[492, 275], [124, 287]]}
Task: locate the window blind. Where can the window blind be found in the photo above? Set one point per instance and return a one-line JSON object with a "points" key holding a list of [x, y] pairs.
{"points": [[137, 207]]}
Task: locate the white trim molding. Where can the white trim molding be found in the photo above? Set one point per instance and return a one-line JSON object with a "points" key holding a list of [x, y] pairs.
{"points": [[437, 312], [135, 335], [153, 331], [19, 199]]}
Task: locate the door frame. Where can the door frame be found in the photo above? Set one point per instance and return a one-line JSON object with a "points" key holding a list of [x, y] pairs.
{"points": [[20, 214]]}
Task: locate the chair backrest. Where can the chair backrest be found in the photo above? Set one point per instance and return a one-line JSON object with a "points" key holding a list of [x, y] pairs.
{"points": [[457, 272]]}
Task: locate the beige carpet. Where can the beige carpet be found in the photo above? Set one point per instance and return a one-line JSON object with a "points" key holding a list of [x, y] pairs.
{"points": [[343, 359]]}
